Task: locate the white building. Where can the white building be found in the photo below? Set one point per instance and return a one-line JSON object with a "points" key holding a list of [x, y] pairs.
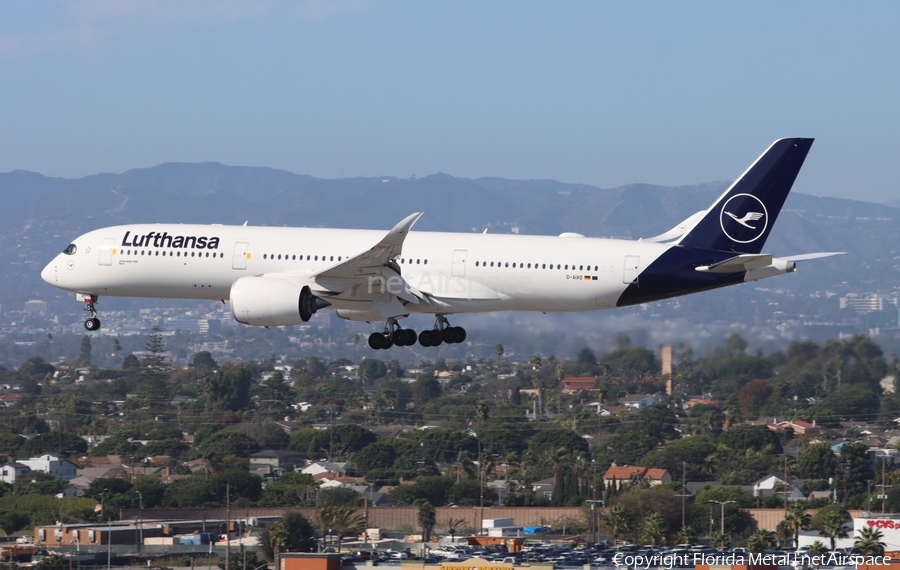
{"points": [[56, 466], [11, 472]]}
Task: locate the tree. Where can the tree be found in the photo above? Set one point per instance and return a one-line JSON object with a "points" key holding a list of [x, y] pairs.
{"points": [[760, 540], [228, 388], [453, 525], [616, 521], [371, 369], [84, 356], [276, 538], [292, 532], [346, 520], [425, 389], [752, 396], [427, 518], [204, 362], [244, 560], [154, 371], [853, 471], [324, 520], [374, 456], [654, 528], [797, 519], [869, 541], [816, 461], [833, 523], [292, 489]]}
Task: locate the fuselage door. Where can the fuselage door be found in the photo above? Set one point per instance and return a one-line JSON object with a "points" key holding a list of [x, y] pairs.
{"points": [[458, 269], [632, 269], [239, 261], [106, 250]]}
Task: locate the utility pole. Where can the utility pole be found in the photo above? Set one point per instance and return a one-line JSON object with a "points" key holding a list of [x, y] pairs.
{"points": [[227, 526], [140, 521], [883, 486], [684, 494]]}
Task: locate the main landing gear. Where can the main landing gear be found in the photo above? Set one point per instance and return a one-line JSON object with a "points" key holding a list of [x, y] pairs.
{"points": [[395, 335], [392, 335], [92, 323]]}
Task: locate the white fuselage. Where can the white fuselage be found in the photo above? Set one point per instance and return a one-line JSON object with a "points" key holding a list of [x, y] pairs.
{"points": [[459, 272]]}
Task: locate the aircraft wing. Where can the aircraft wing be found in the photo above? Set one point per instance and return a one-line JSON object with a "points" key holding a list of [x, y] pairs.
{"points": [[376, 262]]}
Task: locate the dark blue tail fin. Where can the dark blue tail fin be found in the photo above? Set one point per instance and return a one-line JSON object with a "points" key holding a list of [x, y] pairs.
{"points": [[741, 219]]}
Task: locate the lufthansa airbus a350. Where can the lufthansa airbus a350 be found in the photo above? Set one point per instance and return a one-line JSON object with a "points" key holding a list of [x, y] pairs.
{"points": [[281, 276]]}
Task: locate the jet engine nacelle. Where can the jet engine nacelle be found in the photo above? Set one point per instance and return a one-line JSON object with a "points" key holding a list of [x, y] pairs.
{"points": [[272, 301]]}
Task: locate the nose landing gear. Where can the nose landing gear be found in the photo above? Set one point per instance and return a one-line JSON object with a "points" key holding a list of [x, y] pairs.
{"points": [[92, 323]]}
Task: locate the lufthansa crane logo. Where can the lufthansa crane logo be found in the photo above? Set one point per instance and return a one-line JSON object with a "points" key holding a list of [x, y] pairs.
{"points": [[744, 218]]}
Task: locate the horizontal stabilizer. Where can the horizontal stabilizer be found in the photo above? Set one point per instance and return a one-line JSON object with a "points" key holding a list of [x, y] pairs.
{"points": [[746, 262], [809, 256]]}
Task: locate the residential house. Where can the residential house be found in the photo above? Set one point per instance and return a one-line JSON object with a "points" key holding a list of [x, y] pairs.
{"points": [[11, 472], [279, 460], [544, 487], [320, 467], [799, 427], [619, 476], [772, 486], [578, 383], [53, 465], [639, 401]]}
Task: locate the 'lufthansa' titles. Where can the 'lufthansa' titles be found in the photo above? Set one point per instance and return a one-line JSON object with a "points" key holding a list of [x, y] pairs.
{"points": [[153, 239]]}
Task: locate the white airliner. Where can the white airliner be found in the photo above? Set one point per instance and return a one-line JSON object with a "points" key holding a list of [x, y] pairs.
{"points": [[281, 276]]}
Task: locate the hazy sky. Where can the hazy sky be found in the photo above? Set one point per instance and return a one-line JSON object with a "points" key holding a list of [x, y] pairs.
{"points": [[604, 93]]}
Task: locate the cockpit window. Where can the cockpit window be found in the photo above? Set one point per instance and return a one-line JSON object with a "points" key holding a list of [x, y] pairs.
{"points": [[70, 250]]}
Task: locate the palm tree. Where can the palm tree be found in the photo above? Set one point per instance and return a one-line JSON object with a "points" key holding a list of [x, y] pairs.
{"points": [[784, 533], [453, 524], [869, 541], [617, 522], [817, 548], [427, 519], [798, 519], [833, 526], [654, 528], [325, 519], [760, 541], [278, 537], [345, 520], [685, 535]]}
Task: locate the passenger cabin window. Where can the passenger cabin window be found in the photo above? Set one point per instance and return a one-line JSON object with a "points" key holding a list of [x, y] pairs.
{"points": [[71, 249]]}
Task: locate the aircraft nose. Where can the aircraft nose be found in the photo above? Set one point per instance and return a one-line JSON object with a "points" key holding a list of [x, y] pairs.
{"points": [[49, 273]]}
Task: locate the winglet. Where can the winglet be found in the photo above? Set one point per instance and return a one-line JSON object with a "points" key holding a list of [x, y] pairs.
{"points": [[398, 233]]}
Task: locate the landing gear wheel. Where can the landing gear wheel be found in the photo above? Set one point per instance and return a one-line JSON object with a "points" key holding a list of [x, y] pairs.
{"points": [[92, 324], [448, 335], [426, 337], [460, 334], [376, 341], [398, 337], [411, 337]]}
